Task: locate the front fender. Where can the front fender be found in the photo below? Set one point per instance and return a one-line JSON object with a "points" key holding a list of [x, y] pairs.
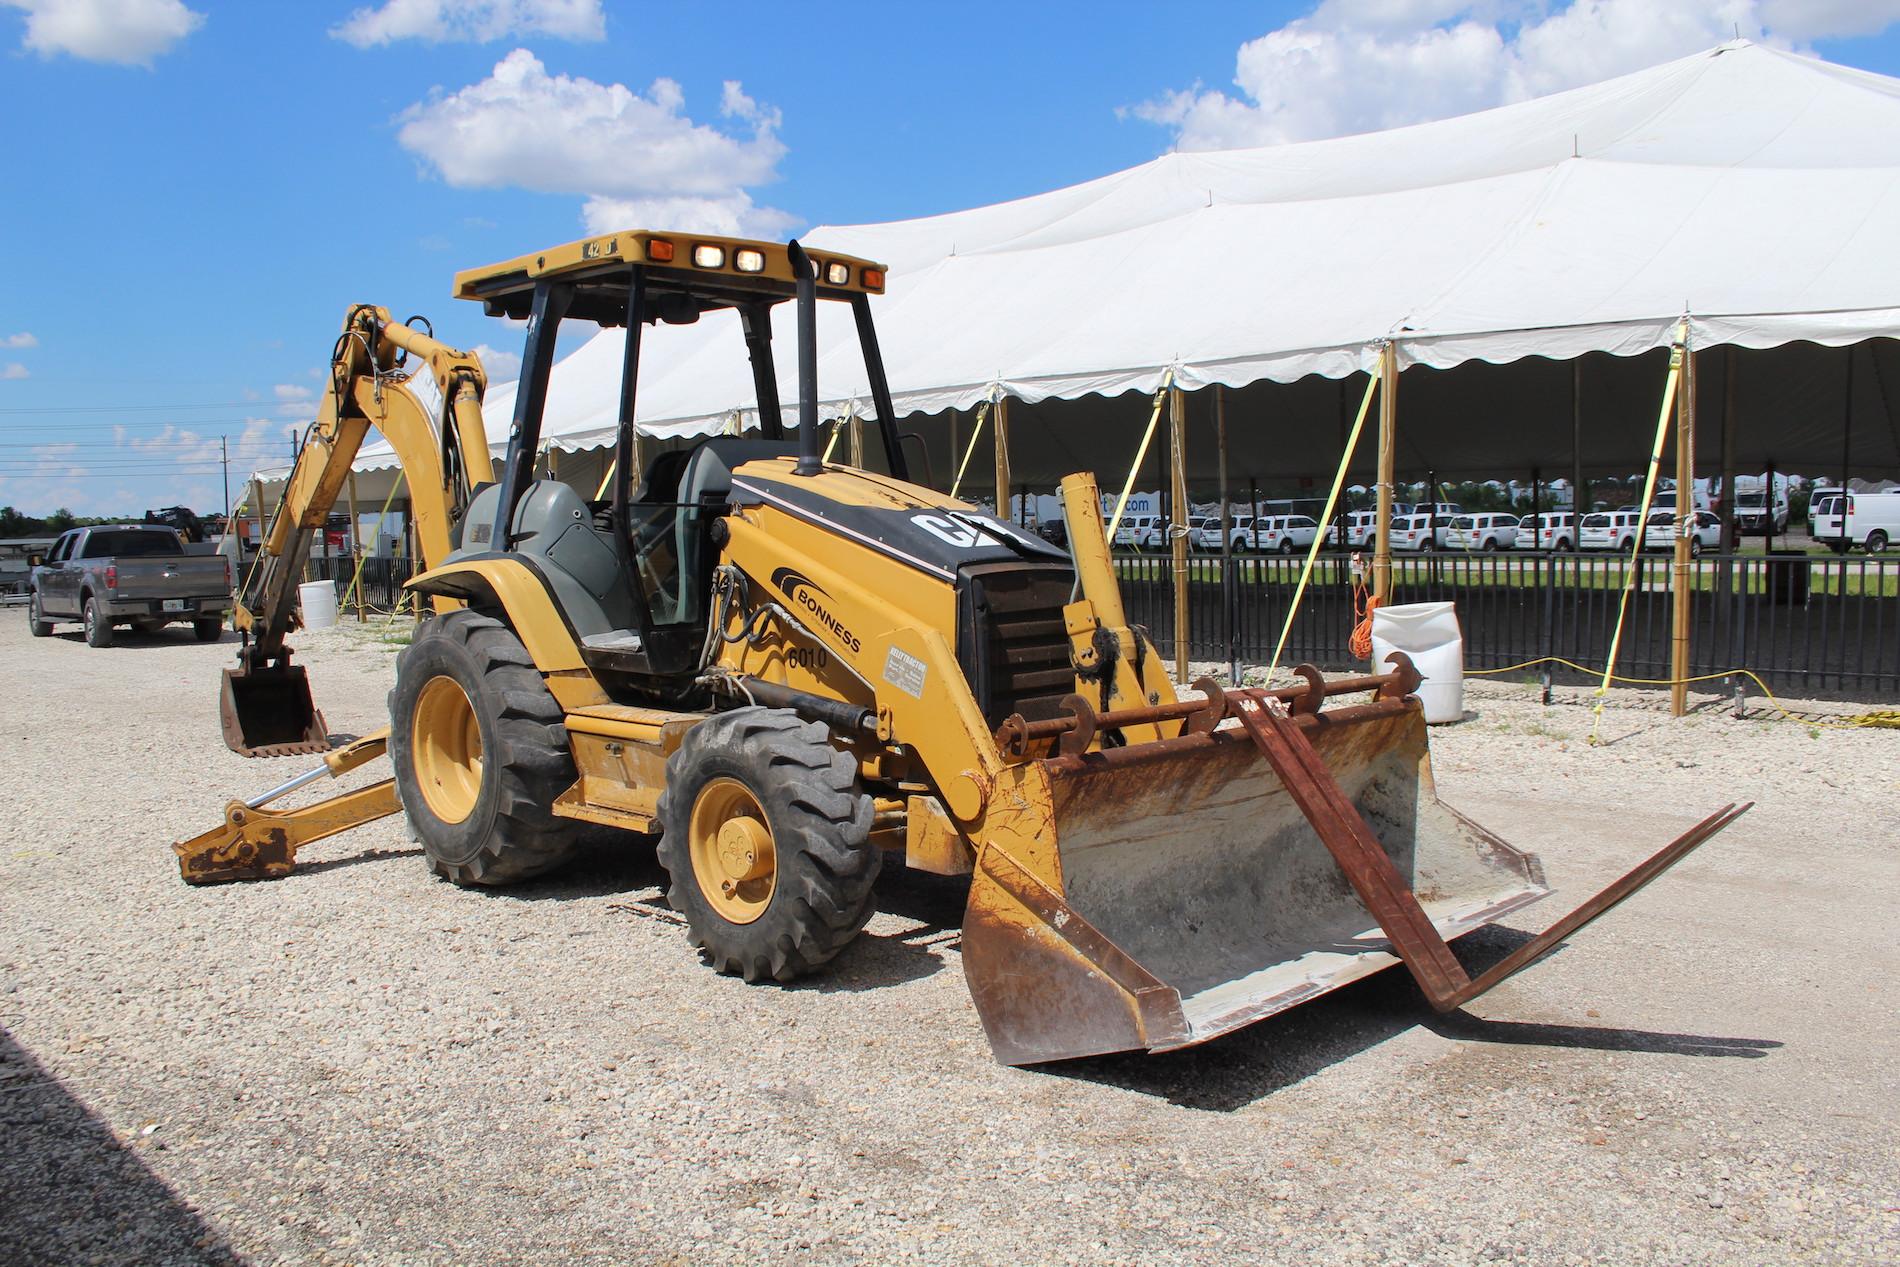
{"points": [[521, 596]]}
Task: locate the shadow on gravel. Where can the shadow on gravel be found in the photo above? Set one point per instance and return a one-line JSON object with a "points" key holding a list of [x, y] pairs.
{"points": [[1249, 1064], [128, 640], [356, 859], [70, 1192]]}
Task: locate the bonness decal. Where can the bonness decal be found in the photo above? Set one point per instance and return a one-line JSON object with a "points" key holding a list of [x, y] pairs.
{"points": [[800, 590]]}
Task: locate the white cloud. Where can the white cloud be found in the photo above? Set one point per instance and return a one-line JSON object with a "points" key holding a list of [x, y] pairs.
{"points": [[127, 32], [472, 21], [261, 442], [24, 339], [634, 156], [500, 366], [1363, 65], [733, 216], [293, 399], [13, 369]]}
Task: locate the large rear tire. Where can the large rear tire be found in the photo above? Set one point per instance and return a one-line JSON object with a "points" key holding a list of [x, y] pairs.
{"points": [[98, 624], [766, 837], [480, 753], [208, 629]]}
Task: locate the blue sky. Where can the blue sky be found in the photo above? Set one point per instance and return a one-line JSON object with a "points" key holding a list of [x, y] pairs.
{"points": [[197, 190]]}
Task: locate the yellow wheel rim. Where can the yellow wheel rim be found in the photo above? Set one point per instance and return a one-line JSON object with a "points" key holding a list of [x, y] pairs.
{"points": [[446, 740], [733, 856]]}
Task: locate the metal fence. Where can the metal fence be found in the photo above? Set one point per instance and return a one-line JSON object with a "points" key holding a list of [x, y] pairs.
{"points": [[1803, 622], [382, 582]]}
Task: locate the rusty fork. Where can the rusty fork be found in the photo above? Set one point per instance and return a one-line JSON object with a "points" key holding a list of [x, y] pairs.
{"points": [[1273, 725]]}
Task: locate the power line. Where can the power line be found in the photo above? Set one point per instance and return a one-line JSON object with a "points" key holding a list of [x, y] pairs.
{"points": [[130, 409]]}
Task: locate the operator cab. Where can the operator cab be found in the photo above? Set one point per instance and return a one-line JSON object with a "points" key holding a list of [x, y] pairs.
{"points": [[634, 571]]}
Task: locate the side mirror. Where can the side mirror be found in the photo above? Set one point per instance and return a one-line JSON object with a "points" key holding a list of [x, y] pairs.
{"points": [[35, 560]]}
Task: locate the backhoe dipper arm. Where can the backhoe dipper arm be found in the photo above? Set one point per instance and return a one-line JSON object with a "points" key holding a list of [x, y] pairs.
{"points": [[266, 705]]}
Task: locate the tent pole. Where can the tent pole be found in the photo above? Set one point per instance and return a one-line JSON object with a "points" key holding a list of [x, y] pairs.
{"points": [[1579, 502], [857, 439], [1685, 526], [956, 445], [1729, 543], [356, 546], [1253, 511], [1847, 435], [1388, 421], [1178, 521], [1542, 563], [1000, 437], [1226, 537]]}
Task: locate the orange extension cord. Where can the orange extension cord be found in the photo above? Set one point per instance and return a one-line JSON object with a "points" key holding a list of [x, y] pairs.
{"points": [[1363, 604]]}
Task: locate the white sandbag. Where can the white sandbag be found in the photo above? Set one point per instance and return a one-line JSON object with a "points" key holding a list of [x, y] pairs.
{"points": [[319, 604], [1428, 632]]}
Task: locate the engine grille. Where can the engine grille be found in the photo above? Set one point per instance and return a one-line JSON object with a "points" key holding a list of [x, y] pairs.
{"points": [[1011, 641]]}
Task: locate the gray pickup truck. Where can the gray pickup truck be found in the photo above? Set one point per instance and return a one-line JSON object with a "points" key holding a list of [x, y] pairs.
{"points": [[128, 574]]}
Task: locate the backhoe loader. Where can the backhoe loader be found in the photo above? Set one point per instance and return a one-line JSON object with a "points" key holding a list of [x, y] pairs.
{"points": [[793, 670]]}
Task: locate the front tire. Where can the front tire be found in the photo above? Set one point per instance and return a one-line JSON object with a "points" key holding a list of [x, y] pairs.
{"points": [[480, 753], [36, 622], [766, 837], [98, 624]]}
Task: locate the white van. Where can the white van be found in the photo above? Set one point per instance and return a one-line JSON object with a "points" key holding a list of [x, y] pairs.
{"points": [[1751, 509], [1608, 530], [1873, 521], [1661, 533], [1482, 532], [1547, 530]]}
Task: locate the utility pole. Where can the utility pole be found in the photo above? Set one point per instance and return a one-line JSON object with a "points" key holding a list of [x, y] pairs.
{"points": [[224, 456]]}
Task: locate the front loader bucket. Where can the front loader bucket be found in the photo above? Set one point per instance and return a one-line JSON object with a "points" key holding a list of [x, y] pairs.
{"points": [[1156, 895], [1191, 895], [267, 711]]}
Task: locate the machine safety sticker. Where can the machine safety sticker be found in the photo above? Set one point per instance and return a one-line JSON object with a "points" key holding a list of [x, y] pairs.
{"points": [[905, 672]]}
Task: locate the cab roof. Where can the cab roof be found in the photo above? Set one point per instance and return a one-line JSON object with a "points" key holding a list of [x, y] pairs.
{"points": [[687, 273]]}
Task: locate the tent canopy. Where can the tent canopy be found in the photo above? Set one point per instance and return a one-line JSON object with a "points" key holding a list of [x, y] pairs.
{"points": [[1753, 192]]}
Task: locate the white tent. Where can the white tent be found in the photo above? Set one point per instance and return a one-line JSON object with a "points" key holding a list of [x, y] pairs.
{"points": [[1753, 192]]}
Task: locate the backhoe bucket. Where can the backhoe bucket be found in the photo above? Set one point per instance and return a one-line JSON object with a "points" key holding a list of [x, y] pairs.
{"points": [[1183, 891], [268, 712]]}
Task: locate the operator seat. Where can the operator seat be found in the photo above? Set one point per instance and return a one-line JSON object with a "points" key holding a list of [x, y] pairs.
{"points": [[707, 482]]}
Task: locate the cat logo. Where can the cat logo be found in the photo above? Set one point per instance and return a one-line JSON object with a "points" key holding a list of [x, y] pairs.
{"points": [[961, 531]]}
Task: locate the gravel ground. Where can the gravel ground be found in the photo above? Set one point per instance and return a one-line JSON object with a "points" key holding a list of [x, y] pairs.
{"points": [[362, 1064]]}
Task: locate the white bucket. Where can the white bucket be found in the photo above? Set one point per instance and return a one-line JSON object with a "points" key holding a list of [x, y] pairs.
{"points": [[319, 604], [1428, 632]]}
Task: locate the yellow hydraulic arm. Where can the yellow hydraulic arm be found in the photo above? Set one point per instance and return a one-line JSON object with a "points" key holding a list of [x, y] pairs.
{"points": [[266, 707]]}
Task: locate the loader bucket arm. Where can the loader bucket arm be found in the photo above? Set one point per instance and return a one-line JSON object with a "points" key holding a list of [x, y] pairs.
{"points": [[1270, 852]]}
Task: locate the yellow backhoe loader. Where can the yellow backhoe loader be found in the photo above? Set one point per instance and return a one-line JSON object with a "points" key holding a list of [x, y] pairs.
{"points": [[792, 670]]}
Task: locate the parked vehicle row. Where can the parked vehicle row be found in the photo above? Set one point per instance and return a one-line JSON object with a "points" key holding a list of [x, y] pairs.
{"points": [[1873, 523]]}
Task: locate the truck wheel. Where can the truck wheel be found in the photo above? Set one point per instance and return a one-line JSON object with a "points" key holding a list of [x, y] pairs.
{"points": [[208, 628], [480, 753], [1876, 541], [36, 623], [98, 624], [766, 836]]}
